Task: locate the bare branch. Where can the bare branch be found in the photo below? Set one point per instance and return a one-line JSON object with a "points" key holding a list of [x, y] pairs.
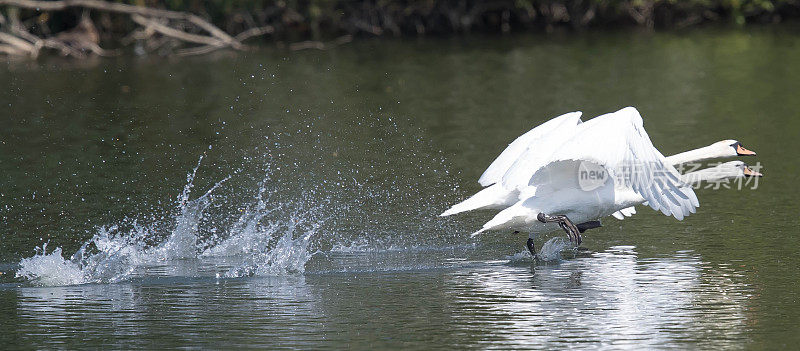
{"points": [[14, 41], [76, 43], [172, 32], [97, 50], [128, 9], [19, 45], [22, 33], [254, 32], [303, 45], [65, 49], [12, 50], [200, 50]]}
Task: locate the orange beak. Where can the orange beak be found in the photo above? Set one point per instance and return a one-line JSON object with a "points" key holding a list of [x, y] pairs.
{"points": [[751, 173], [741, 151]]}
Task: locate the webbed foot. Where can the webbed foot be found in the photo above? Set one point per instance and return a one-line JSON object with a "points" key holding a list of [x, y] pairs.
{"points": [[573, 233]]}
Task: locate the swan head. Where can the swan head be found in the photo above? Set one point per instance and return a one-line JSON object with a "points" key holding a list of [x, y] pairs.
{"points": [[730, 147], [749, 172], [738, 169], [721, 172]]}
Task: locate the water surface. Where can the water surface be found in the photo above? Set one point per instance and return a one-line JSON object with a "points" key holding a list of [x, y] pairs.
{"points": [[290, 198]]}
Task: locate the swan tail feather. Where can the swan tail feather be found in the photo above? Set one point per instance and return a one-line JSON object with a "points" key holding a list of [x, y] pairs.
{"points": [[482, 230], [492, 197]]}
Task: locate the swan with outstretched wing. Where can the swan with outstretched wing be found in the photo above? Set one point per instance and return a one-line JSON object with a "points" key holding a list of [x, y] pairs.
{"points": [[506, 179], [607, 164]]}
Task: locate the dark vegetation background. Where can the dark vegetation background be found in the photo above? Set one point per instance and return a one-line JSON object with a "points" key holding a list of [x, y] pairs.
{"points": [[321, 19]]}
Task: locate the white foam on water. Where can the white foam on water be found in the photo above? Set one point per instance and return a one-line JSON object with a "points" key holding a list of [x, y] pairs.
{"points": [[50, 269], [267, 245]]}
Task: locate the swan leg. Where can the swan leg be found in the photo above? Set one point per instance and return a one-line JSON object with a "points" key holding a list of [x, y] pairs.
{"points": [[531, 248], [551, 219], [570, 228]]}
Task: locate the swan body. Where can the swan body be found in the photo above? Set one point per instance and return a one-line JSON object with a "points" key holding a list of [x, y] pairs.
{"points": [[578, 205], [572, 202]]}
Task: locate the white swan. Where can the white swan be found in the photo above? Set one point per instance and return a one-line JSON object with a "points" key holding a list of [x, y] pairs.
{"points": [[724, 171], [614, 146], [510, 172]]}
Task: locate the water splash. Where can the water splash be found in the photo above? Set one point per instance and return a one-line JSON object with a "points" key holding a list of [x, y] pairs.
{"points": [[267, 246], [315, 192], [551, 251], [50, 269], [115, 253]]}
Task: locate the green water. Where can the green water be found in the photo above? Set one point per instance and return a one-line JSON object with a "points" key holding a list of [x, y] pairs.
{"points": [[355, 151]]}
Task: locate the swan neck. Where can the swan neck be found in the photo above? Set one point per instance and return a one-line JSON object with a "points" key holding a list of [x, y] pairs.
{"points": [[706, 175], [696, 155]]}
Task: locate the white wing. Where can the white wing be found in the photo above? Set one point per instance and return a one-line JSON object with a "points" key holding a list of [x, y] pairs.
{"points": [[618, 142], [536, 156], [532, 138]]}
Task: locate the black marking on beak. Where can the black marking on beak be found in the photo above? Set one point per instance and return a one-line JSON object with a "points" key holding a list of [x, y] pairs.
{"points": [[748, 172], [741, 150]]}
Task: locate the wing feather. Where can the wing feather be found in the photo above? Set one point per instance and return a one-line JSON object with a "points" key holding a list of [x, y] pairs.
{"points": [[625, 212], [618, 142], [532, 139], [520, 172]]}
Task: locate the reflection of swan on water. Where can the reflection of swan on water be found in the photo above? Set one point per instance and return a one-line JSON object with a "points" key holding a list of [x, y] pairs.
{"points": [[608, 298]]}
